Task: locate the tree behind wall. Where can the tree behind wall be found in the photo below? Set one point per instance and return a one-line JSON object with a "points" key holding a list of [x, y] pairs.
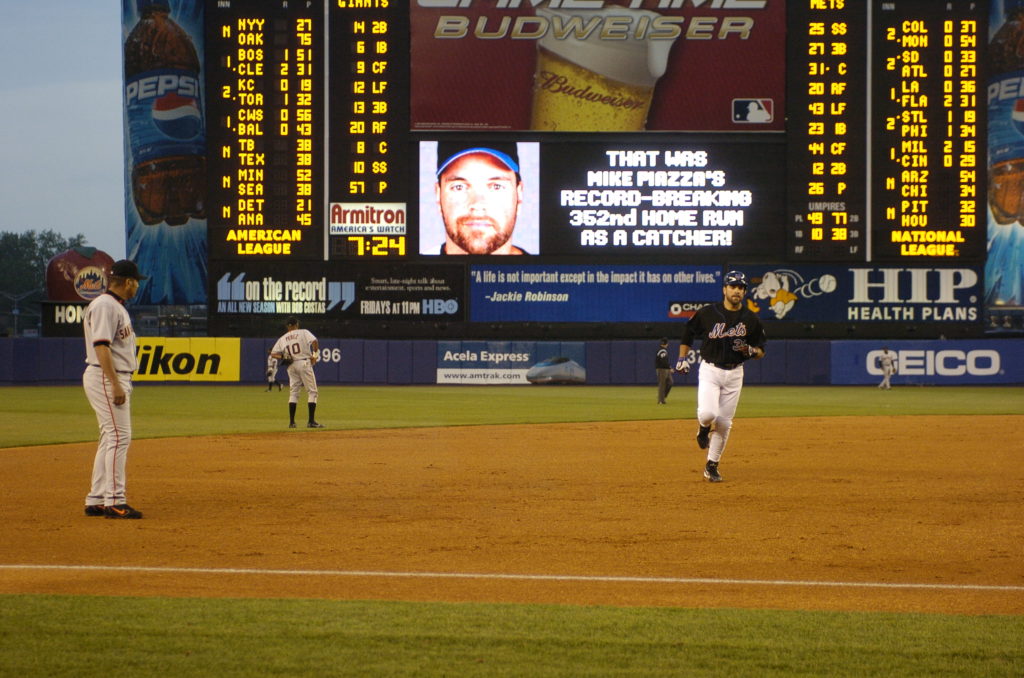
{"points": [[23, 259]]}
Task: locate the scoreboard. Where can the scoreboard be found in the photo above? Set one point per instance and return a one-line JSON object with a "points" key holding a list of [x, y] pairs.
{"points": [[648, 138]]}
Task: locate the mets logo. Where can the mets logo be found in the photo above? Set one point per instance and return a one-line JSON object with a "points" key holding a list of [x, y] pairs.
{"points": [[90, 282], [177, 116]]}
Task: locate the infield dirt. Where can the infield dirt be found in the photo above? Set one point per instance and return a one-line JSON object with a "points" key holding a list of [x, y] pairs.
{"points": [[915, 514]]}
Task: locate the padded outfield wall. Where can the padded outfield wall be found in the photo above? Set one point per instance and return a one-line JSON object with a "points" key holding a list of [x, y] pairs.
{"points": [[36, 361]]}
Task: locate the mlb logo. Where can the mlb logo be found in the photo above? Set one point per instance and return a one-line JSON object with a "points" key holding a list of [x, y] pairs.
{"points": [[753, 110]]}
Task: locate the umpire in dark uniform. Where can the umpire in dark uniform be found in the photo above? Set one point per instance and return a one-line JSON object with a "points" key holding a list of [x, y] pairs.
{"points": [[664, 371]]}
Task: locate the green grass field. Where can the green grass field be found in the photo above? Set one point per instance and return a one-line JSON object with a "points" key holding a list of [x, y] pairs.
{"points": [[143, 637], [41, 415], [63, 636]]}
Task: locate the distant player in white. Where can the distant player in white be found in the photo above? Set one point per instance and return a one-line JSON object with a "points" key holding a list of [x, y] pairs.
{"points": [[110, 361], [887, 363], [298, 349], [272, 373]]}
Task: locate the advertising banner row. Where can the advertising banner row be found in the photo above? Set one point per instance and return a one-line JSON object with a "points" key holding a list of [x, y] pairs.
{"points": [[614, 293], [619, 362]]}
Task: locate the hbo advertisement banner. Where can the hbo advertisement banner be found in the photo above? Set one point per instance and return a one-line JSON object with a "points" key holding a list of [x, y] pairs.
{"points": [[940, 363], [364, 291]]}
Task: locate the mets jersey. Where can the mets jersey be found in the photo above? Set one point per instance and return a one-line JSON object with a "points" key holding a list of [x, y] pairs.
{"points": [[722, 331]]}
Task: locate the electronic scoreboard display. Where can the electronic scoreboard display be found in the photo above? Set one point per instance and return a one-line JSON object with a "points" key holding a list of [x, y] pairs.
{"points": [[376, 160]]}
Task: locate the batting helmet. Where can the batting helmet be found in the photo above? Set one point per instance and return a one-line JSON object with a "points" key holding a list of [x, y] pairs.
{"points": [[736, 279]]}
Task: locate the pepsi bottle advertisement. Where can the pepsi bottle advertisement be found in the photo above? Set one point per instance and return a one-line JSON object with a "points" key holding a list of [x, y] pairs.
{"points": [[165, 148]]}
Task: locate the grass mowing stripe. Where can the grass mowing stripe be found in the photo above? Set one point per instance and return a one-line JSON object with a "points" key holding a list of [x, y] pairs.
{"points": [[64, 636], [39, 415], [514, 577]]}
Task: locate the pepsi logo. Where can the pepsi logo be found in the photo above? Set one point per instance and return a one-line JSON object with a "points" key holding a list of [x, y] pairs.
{"points": [[177, 116]]}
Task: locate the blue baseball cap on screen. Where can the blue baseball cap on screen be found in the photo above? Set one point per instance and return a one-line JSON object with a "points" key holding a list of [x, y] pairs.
{"points": [[448, 152], [736, 279]]}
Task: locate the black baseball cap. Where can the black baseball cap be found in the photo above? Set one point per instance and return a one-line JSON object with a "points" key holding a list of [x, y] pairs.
{"points": [[291, 321], [126, 268], [450, 151]]}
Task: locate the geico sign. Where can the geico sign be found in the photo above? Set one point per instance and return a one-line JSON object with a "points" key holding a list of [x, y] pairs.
{"points": [[945, 363]]}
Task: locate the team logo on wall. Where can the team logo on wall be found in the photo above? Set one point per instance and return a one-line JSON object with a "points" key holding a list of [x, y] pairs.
{"points": [[777, 291], [90, 282]]}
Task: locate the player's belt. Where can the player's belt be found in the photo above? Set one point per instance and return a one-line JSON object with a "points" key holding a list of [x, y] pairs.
{"points": [[118, 371], [726, 366]]}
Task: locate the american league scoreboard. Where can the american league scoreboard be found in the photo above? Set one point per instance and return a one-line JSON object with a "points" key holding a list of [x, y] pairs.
{"points": [[538, 168]]}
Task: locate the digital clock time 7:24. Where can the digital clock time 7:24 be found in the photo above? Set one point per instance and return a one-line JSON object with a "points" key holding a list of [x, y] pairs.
{"points": [[376, 245]]}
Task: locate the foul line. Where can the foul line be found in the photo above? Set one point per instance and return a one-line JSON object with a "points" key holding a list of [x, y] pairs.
{"points": [[516, 577]]}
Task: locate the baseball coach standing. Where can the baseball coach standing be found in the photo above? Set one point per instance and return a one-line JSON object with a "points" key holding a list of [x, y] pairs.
{"points": [[110, 361]]}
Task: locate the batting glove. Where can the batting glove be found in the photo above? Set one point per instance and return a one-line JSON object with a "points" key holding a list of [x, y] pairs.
{"points": [[682, 366]]}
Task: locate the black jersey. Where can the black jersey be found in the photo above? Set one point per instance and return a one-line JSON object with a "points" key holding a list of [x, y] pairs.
{"points": [[721, 330]]}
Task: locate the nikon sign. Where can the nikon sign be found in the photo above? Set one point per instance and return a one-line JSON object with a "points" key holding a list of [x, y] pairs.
{"points": [[187, 359]]}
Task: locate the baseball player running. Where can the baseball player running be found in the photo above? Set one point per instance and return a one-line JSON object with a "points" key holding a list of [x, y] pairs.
{"points": [[298, 349], [110, 361], [730, 334]]}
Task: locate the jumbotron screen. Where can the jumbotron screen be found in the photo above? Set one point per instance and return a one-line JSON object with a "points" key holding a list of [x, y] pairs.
{"points": [[575, 161]]}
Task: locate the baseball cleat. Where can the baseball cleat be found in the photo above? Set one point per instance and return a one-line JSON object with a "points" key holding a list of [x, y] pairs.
{"points": [[314, 424], [711, 472], [122, 511], [291, 425], [95, 510], [704, 437]]}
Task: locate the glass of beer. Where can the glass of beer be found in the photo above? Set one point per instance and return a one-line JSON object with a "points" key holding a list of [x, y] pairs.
{"points": [[597, 69]]}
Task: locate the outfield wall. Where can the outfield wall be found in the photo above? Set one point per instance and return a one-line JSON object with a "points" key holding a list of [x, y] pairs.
{"points": [[622, 362]]}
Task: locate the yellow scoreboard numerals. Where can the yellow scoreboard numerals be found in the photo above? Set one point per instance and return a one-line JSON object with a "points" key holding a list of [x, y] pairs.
{"points": [[376, 245]]}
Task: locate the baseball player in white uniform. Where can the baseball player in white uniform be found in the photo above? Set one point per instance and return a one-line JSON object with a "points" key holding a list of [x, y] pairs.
{"points": [[272, 373], [110, 361], [730, 334], [887, 362], [298, 349]]}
